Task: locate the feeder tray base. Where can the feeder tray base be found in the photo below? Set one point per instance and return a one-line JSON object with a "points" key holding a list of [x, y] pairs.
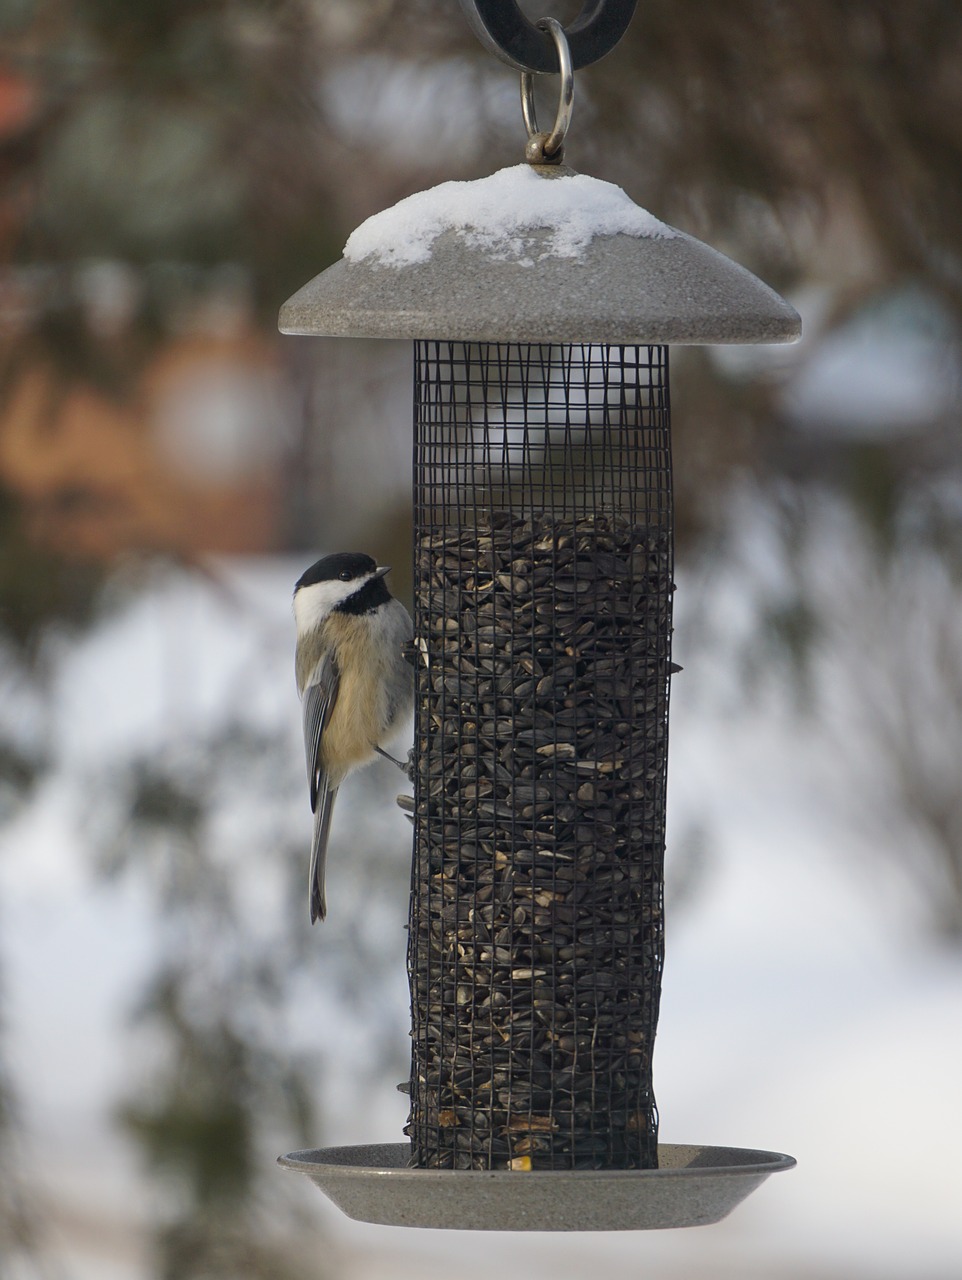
{"points": [[692, 1187]]}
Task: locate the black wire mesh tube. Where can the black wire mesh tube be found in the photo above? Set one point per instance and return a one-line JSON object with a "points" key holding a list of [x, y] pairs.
{"points": [[543, 553]]}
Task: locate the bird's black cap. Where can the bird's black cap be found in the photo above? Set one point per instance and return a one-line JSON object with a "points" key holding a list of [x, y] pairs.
{"points": [[328, 568], [350, 566]]}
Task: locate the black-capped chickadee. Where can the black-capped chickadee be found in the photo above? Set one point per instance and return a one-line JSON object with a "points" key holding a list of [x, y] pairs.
{"points": [[355, 683]]}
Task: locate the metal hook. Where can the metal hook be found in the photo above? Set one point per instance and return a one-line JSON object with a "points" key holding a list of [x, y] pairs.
{"points": [[504, 31], [548, 148]]}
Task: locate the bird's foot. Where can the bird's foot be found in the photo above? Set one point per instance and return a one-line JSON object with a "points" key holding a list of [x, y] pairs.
{"points": [[400, 763], [407, 767]]}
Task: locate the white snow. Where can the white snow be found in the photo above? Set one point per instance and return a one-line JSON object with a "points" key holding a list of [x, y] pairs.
{"points": [[497, 214], [872, 381], [803, 1010]]}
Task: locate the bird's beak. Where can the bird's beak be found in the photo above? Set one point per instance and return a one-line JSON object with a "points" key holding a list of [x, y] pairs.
{"points": [[381, 570]]}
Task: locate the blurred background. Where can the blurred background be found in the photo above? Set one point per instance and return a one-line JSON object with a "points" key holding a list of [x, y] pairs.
{"points": [[170, 171]]}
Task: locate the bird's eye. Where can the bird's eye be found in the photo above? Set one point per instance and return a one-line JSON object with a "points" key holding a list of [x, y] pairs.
{"points": [[345, 575]]}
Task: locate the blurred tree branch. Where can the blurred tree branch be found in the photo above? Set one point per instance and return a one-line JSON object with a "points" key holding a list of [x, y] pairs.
{"points": [[813, 142], [209, 138], [223, 1087]]}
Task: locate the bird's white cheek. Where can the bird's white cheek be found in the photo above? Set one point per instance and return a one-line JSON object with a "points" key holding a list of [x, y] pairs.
{"points": [[313, 604]]}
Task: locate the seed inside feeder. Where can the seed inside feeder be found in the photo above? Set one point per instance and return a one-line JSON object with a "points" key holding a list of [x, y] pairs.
{"points": [[537, 917]]}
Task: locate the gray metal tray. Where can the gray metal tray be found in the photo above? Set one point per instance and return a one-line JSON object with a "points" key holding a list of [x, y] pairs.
{"points": [[693, 1186]]}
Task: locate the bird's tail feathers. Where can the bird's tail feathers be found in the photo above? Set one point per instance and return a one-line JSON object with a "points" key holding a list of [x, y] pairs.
{"points": [[322, 830]]}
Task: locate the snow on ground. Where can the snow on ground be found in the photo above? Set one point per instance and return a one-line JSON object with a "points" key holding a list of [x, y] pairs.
{"points": [[803, 1010]]}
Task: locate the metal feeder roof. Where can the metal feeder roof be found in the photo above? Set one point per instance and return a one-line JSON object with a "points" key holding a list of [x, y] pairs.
{"points": [[486, 273]]}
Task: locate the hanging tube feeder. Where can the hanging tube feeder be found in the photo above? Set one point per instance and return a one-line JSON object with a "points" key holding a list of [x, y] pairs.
{"points": [[541, 304]]}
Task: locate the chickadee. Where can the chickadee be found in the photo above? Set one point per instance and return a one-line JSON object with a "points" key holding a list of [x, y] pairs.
{"points": [[355, 684]]}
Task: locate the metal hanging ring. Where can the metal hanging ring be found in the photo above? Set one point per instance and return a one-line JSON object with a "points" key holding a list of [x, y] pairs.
{"points": [[548, 148], [504, 31]]}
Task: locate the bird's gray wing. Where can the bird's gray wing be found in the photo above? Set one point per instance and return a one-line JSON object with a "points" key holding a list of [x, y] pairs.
{"points": [[319, 699], [320, 695]]}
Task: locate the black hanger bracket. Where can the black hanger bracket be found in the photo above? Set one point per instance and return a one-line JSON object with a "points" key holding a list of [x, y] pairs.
{"points": [[504, 31]]}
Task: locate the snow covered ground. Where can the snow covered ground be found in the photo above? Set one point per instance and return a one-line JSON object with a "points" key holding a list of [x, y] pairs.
{"points": [[805, 1009]]}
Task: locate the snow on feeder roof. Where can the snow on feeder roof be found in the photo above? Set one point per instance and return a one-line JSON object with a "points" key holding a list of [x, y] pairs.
{"points": [[535, 253]]}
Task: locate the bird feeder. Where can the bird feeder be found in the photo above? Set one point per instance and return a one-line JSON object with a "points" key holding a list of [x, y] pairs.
{"points": [[542, 304]]}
